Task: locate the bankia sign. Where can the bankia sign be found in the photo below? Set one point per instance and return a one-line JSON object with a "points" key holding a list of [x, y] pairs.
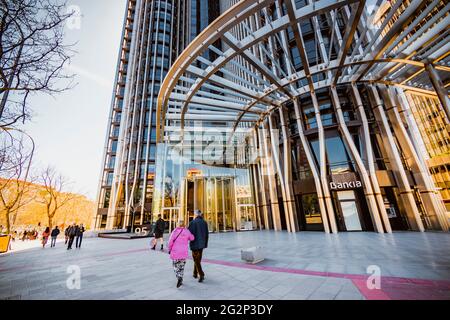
{"points": [[344, 181]]}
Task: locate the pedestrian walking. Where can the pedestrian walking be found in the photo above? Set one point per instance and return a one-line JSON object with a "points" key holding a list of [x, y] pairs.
{"points": [[199, 228], [45, 236], [72, 233], [158, 232], [79, 235], [66, 234], [179, 249], [55, 233]]}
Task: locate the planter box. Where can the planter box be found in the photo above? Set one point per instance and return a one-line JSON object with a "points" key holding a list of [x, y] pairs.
{"points": [[4, 243]]}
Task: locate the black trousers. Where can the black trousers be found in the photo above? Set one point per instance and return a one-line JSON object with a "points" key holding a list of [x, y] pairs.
{"points": [[197, 256], [69, 246], [78, 241]]}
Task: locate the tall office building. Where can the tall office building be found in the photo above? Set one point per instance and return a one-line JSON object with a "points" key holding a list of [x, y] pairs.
{"points": [[296, 115], [154, 33], [433, 124], [434, 129]]}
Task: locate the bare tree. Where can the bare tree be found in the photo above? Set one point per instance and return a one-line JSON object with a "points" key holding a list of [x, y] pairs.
{"points": [[32, 54], [16, 188], [54, 194]]}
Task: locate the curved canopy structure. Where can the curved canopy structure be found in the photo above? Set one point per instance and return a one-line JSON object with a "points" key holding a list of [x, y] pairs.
{"points": [[293, 115], [266, 52]]}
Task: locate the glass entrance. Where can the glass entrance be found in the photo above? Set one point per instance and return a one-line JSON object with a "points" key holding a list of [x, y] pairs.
{"points": [[349, 210], [247, 217], [171, 215], [214, 196], [224, 204]]}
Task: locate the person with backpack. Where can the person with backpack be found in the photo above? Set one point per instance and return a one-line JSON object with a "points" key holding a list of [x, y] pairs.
{"points": [[54, 234], [178, 249]]}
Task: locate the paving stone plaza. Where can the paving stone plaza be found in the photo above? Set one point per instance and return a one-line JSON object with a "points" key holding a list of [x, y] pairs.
{"points": [[298, 266]]}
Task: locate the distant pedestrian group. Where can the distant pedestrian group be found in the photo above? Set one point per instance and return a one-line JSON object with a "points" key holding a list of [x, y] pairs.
{"points": [[28, 235], [195, 237], [74, 232]]}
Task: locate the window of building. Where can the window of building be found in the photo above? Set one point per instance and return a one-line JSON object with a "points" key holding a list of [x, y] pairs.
{"points": [[114, 146], [339, 160], [106, 198], [109, 178], [152, 152], [311, 209], [327, 113], [309, 117], [296, 61], [112, 161], [115, 131], [153, 135]]}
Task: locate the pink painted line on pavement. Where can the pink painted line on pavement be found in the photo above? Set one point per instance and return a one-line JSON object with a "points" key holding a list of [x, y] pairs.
{"points": [[435, 283], [390, 286], [287, 270], [359, 280], [370, 294]]}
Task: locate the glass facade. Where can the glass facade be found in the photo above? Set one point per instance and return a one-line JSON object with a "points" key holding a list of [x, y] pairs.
{"points": [[434, 128], [154, 34], [336, 149], [289, 118], [224, 194]]}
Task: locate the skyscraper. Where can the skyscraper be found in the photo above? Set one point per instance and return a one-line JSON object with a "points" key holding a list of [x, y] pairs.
{"points": [[288, 115], [154, 33], [315, 90], [431, 119]]}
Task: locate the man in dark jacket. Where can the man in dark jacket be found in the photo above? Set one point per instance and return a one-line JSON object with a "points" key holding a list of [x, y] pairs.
{"points": [[79, 236], [73, 230], [158, 232], [199, 228], [54, 235]]}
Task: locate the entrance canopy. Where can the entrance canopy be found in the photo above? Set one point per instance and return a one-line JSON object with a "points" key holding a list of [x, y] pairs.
{"points": [[265, 53]]}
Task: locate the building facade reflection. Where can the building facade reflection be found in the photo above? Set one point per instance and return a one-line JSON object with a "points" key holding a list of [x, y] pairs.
{"points": [[225, 195]]}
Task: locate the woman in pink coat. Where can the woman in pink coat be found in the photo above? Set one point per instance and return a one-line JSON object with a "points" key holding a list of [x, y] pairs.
{"points": [[178, 249]]}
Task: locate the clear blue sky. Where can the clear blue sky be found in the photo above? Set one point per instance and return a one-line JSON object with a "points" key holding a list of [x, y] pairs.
{"points": [[69, 130]]}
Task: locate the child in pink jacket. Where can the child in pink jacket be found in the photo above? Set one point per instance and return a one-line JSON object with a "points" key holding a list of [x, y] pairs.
{"points": [[178, 249]]}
